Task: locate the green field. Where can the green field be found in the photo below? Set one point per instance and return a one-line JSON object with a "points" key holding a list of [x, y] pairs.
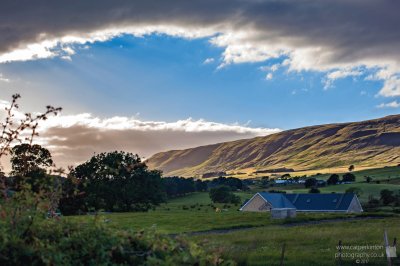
{"points": [[305, 245], [377, 174], [367, 189], [198, 215], [256, 239]]}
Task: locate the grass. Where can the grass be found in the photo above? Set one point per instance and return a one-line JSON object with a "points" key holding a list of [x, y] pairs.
{"points": [[261, 242], [305, 245], [367, 189], [198, 215]]}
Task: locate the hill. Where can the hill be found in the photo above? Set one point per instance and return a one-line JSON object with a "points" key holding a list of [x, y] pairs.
{"points": [[371, 143]]}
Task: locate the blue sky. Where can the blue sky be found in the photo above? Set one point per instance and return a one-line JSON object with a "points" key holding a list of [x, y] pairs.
{"points": [[149, 76], [163, 78]]}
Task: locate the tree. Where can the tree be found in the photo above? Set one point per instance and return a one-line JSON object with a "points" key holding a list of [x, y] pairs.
{"points": [[351, 168], [119, 181], [333, 179], [354, 190], [223, 194], [310, 182], [387, 196], [349, 177], [29, 163], [368, 179], [314, 190]]}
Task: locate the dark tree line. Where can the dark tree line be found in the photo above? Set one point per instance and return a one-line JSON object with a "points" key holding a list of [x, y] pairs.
{"points": [[178, 186], [115, 181]]}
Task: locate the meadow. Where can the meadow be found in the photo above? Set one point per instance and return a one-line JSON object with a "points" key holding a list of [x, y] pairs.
{"points": [[256, 239]]}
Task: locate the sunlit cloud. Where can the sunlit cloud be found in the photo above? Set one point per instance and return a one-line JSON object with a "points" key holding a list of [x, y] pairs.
{"points": [[73, 139], [393, 104], [305, 34]]}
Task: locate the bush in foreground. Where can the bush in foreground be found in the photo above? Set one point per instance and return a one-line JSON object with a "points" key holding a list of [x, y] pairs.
{"points": [[64, 243]]}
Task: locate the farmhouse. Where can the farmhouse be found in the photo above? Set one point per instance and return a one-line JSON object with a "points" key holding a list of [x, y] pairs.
{"points": [[288, 204]]}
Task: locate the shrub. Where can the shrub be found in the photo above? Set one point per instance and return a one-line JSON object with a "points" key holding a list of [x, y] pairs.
{"points": [[223, 194], [333, 179], [349, 177], [310, 182], [387, 196], [314, 190], [355, 190], [60, 243]]}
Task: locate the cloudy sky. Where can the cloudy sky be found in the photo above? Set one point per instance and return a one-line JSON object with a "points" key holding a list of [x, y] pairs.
{"points": [[147, 76]]}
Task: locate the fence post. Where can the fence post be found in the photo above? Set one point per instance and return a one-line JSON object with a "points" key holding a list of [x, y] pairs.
{"points": [[340, 252], [385, 238], [283, 253]]}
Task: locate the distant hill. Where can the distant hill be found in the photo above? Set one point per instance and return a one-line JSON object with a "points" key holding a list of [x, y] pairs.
{"points": [[368, 143]]}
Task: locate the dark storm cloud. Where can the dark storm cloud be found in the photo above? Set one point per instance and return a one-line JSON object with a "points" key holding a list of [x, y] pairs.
{"points": [[346, 30]]}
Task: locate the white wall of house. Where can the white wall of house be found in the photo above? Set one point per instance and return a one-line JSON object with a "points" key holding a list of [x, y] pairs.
{"points": [[257, 204], [355, 205]]}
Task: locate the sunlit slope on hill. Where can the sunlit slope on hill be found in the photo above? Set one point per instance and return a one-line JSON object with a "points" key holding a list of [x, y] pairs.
{"points": [[368, 143]]}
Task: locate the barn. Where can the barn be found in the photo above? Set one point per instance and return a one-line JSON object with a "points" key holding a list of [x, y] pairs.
{"points": [[334, 202]]}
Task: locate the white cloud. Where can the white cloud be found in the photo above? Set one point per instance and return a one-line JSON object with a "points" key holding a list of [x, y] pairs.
{"points": [[393, 104], [74, 138], [209, 61], [340, 74], [269, 76], [272, 68]]}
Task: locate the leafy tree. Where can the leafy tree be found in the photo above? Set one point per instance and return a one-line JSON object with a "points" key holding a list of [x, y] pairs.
{"points": [[285, 176], [387, 196], [351, 168], [333, 179], [223, 194], [310, 182], [368, 179], [119, 181], [200, 185], [354, 190], [349, 177], [28, 165], [314, 190], [26, 158], [232, 182]]}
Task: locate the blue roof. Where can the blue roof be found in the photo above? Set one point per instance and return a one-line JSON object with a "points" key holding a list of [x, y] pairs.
{"points": [[277, 200], [321, 202], [310, 201]]}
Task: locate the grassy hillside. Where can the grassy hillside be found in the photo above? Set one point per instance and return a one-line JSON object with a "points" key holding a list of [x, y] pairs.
{"points": [[370, 143]]}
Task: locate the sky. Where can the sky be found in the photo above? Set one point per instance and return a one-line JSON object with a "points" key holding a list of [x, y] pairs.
{"points": [[149, 76]]}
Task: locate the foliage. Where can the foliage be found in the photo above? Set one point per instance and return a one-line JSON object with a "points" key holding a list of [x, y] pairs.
{"points": [[348, 177], [387, 196], [310, 182], [54, 242], [314, 190], [355, 190], [223, 194], [333, 179], [232, 182], [179, 186], [119, 181], [26, 158], [29, 163]]}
